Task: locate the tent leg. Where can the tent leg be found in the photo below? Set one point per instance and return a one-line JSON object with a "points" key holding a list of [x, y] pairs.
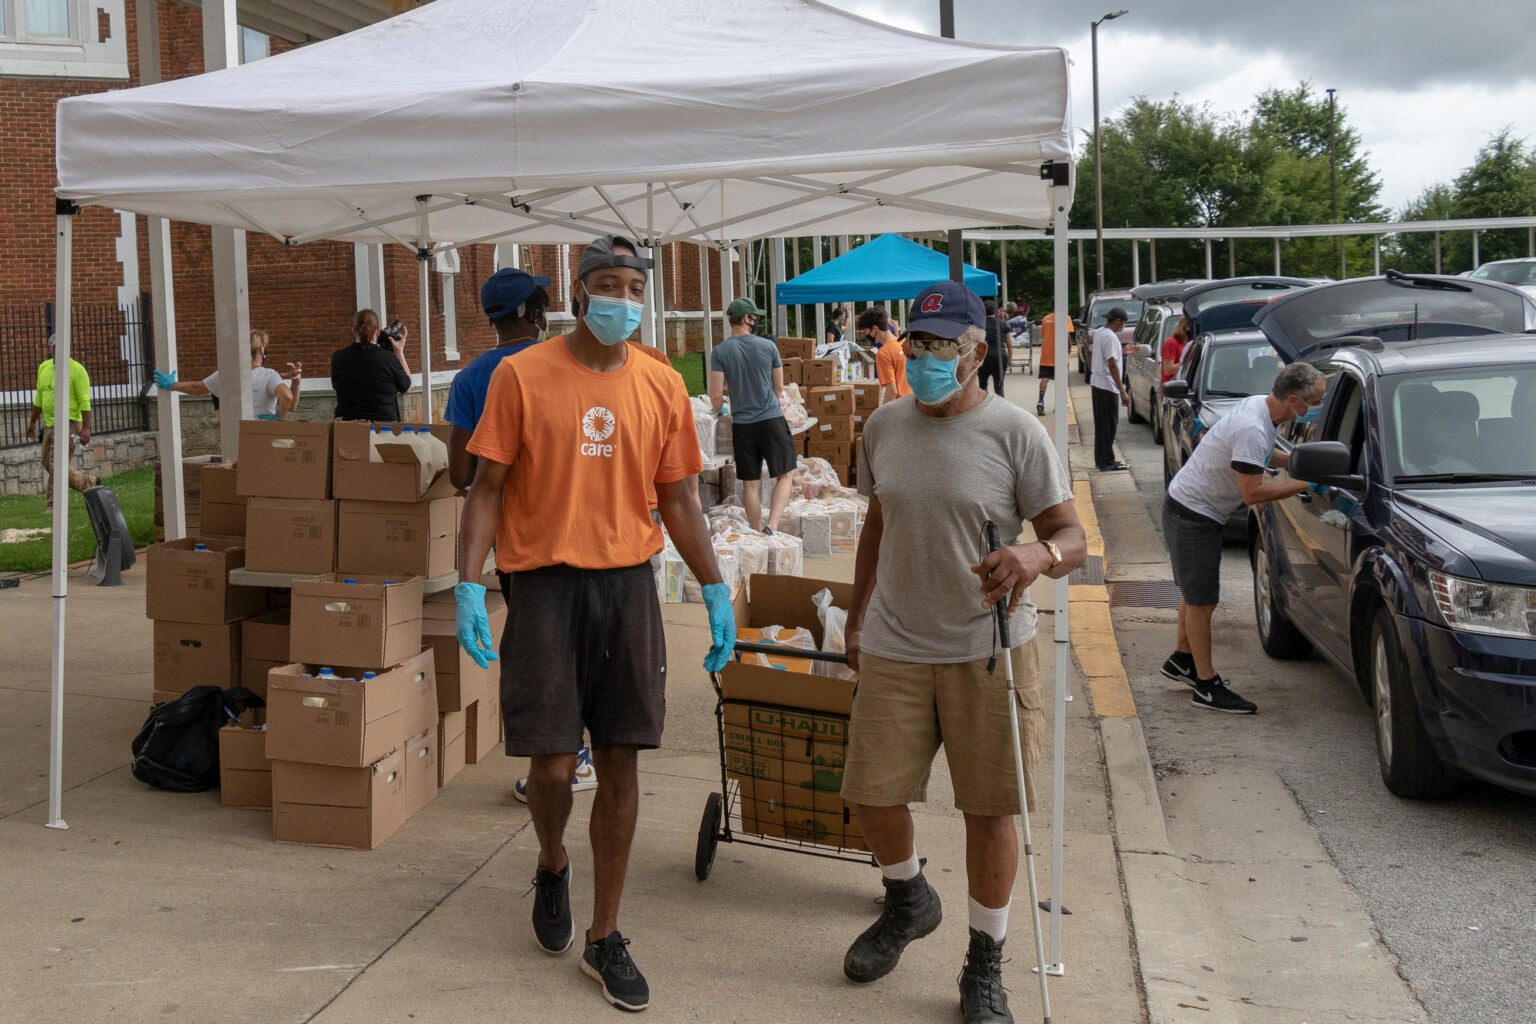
{"points": [[776, 271], [423, 293], [706, 308], [64, 222], [1062, 633], [167, 403], [821, 309]]}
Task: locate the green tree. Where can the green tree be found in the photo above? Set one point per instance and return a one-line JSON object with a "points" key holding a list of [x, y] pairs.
{"points": [[1501, 182]]}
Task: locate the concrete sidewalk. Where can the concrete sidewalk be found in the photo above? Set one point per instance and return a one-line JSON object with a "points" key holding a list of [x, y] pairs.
{"points": [[159, 906]]}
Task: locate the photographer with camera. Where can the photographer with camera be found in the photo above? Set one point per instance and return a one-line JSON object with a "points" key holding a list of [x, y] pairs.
{"points": [[371, 374]]}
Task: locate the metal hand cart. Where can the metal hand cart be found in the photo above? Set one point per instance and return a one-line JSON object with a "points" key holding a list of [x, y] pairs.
{"points": [[1026, 362], [780, 773]]}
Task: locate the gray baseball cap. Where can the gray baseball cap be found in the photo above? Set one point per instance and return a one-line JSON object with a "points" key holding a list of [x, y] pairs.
{"points": [[599, 254]]}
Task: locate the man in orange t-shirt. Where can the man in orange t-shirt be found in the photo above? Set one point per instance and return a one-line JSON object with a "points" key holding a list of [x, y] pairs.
{"points": [[1047, 371], [575, 433], [890, 355]]}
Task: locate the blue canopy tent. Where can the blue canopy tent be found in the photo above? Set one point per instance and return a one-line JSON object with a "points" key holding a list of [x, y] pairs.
{"points": [[888, 267]]}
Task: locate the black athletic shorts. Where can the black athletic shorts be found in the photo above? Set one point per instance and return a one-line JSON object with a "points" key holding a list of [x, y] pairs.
{"points": [[1045, 372], [766, 441], [583, 648]]}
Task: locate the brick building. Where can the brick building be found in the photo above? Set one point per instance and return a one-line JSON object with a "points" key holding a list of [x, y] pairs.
{"points": [[303, 296]]}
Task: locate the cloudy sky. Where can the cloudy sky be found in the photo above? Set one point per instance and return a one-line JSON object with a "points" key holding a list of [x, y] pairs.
{"points": [[1425, 83]]}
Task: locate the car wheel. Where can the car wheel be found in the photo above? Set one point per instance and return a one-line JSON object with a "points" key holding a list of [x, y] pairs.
{"points": [[1279, 638], [1131, 415], [1156, 417], [1409, 765]]}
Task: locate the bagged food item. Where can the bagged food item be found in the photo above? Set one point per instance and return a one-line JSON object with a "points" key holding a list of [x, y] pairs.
{"points": [[728, 515], [815, 531], [798, 638], [834, 622], [704, 424], [844, 524], [670, 574], [786, 555], [725, 561]]}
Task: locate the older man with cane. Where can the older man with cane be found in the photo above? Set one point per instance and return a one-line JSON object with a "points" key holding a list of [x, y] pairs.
{"points": [[937, 467]]}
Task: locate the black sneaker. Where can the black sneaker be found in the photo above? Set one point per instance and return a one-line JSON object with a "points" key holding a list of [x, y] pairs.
{"points": [[911, 911], [1217, 696], [1180, 673], [552, 909], [607, 962], [982, 999], [1039, 408]]}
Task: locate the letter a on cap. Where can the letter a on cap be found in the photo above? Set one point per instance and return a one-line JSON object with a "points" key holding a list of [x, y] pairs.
{"points": [[932, 304]]}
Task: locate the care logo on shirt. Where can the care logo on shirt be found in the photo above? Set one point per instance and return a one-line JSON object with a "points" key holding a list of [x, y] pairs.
{"points": [[597, 425]]}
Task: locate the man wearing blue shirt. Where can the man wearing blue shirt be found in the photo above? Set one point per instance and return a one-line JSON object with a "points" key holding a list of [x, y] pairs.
{"points": [[751, 367]]}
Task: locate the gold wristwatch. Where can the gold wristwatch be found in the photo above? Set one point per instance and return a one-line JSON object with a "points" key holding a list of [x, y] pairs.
{"points": [[1054, 552]]}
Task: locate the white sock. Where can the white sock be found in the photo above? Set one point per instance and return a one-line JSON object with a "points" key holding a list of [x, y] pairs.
{"points": [[988, 921], [905, 871]]}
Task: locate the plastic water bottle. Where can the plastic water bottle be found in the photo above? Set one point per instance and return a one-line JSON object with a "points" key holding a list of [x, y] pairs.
{"points": [[327, 673], [370, 675], [349, 581], [199, 547]]}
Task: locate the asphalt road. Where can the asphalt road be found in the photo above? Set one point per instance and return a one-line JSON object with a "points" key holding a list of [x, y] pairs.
{"points": [[1450, 885]]}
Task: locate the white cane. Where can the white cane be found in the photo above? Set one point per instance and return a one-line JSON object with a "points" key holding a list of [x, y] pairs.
{"points": [[993, 544]]}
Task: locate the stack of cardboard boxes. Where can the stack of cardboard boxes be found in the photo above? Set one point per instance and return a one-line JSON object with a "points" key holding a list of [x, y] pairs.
{"points": [[801, 365], [353, 740], [840, 412]]}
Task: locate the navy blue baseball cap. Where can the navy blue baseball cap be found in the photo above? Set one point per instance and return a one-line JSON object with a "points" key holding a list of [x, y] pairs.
{"points": [[945, 310], [505, 291]]}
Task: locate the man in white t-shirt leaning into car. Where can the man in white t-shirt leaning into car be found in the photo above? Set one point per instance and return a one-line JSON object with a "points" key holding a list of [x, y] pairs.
{"points": [[1224, 473]]}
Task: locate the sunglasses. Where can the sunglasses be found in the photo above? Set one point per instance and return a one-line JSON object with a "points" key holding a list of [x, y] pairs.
{"points": [[940, 348]]}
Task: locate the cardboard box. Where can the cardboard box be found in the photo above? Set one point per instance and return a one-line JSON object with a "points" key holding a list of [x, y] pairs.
{"points": [[830, 401], [421, 538], [818, 373], [794, 370], [351, 808], [222, 507], [482, 727], [401, 477], [450, 745], [254, 673], [189, 654], [771, 809], [284, 459], [263, 647], [367, 624], [460, 681], [245, 774], [346, 720], [221, 520], [796, 348], [184, 584], [866, 397], [839, 453], [832, 430], [290, 535], [786, 601], [219, 482], [420, 770]]}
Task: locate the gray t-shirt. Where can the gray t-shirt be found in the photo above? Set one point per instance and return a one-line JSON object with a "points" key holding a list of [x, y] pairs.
{"points": [[938, 480], [1240, 442], [748, 362]]}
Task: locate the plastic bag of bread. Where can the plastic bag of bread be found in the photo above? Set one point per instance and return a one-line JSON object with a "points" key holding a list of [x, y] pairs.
{"points": [[834, 622]]}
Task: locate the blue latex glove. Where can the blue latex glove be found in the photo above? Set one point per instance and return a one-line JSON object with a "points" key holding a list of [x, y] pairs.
{"points": [[725, 409], [722, 625], [1317, 488], [471, 625], [164, 380]]}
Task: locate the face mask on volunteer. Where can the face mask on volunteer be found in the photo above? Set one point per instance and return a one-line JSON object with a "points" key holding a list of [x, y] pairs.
{"points": [[933, 380], [611, 320]]}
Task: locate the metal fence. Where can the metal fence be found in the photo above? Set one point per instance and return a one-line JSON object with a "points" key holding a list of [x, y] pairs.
{"points": [[115, 345]]}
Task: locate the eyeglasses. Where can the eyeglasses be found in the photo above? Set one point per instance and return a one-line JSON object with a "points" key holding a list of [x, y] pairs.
{"points": [[940, 348]]}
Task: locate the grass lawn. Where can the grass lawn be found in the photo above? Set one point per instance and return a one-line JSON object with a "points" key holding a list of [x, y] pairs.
{"points": [[135, 491], [691, 366]]}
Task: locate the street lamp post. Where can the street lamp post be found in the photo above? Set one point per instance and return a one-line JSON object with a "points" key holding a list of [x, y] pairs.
{"points": [[1098, 156], [1333, 178]]}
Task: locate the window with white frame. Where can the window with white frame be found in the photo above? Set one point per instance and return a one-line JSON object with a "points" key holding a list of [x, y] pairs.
{"points": [[254, 45], [64, 39]]}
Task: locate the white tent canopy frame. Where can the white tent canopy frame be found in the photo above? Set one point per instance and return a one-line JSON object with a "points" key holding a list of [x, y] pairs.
{"points": [[469, 121]]}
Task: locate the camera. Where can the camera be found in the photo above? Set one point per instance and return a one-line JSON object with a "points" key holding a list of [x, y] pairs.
{"points": [[392, 332]]}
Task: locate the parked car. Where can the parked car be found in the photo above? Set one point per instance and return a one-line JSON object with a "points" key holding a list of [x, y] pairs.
{"points": [[1217, 372], [1519, 272], [1099, 304], [1144, 369], [1413, 566]]}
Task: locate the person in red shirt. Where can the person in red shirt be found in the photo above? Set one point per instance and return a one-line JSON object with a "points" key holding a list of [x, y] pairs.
{"points": [[1173, 349], [577, 434]]}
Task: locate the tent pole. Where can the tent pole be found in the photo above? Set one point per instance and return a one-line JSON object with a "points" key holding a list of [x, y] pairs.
{"points": [[1152, 256], [64, 221], [1062, 632], [423, 293], [1002, 258], [776, 272], [706, 307], [167, 403], [821, 309], [1135, 263], [1208, 271], [799, 310], [1082, 281], [231, 290], [648, 317], [660, 252]]}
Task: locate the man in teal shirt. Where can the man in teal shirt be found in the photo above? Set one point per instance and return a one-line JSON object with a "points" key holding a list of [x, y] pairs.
{"points": [[79, 419]]}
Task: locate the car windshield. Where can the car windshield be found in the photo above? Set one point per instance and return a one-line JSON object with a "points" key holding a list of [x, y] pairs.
{"points": [[1520, 273], [1132, 309], [1237, 371], [1454, 426]]}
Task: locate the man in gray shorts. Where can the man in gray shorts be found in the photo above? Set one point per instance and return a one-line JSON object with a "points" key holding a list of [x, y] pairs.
{"points": [[575, 434], [922, 633], [1224, 473]]}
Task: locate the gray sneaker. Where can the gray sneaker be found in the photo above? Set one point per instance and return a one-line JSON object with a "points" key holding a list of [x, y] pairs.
{"points": [[607, 962]]}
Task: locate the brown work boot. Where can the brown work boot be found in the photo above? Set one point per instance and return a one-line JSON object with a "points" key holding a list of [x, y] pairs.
{"points": [[911, 911]]}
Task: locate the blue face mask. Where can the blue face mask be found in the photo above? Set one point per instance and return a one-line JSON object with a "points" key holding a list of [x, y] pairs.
{"points": [[932, 379], [611, 320], [1311, 415]]}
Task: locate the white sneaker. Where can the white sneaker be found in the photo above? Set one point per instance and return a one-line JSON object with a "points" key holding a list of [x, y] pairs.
{"points": [[584, 779]]}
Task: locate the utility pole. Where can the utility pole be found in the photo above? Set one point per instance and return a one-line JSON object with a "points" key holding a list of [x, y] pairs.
{"points": [[1333, 176], [956, 261]]}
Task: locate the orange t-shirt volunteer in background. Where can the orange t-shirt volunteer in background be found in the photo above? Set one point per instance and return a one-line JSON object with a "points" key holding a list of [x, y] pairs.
{"points": [[582, 468], [1048, 338], [891, 365]]}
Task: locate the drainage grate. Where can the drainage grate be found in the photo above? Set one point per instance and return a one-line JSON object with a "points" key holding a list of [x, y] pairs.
{"points": [[1143, 594], [1091, 571]]}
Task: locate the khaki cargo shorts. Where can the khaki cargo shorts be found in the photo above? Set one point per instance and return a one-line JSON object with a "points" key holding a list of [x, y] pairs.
{"points": [[903, 712]]}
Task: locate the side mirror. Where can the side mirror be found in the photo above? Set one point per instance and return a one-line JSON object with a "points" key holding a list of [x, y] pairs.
{"points": [[1324, 462], [1176, 389]]}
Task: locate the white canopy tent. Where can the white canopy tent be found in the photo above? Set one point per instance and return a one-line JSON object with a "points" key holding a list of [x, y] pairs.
{"points": [[468, 121]]}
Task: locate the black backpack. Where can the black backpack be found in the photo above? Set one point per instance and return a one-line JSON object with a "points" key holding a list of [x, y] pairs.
{"points": [[178, 747]]}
